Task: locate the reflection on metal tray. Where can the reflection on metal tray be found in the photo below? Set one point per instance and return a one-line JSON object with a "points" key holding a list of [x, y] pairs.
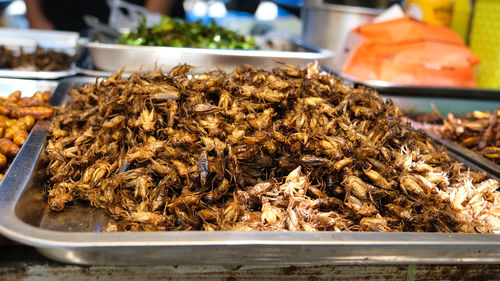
{"points": [[387, 88], [74, 236], [112, 57], [27, 39]]}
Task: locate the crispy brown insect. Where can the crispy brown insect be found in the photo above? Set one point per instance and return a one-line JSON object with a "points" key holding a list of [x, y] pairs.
{"points": [[203, 167], [218, 192], [256, 149], [38, 60], [479, 131]]}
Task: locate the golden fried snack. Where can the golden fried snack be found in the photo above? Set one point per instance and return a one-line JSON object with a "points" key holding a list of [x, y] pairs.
{"points": [[3, 161], [38, 99], [17, 117], [16, 134], [39, 112], [28, 120], [8, 148], [14, 97], [5, 121]]}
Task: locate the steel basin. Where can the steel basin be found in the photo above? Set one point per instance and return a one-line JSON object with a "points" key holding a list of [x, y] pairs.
{"points": [[327, 25]]}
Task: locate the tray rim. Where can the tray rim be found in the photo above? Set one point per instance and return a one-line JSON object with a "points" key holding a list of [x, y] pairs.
{"points": [[320, 54], [106, 56], [49, 75]]}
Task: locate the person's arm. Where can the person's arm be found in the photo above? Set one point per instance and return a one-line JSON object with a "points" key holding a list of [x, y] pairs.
{"points": [[35, 16], [159, 6]]}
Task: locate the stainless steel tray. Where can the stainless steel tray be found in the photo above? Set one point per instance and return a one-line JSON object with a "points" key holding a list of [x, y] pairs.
{"points": [[27, 39], [74, 235], [113, 57]]}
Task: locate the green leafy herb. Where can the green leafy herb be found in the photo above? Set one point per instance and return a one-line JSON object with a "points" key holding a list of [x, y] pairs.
{"points": [[177, 33]]}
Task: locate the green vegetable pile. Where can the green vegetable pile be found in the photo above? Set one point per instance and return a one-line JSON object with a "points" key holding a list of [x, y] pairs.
{"points": [[177, 33]]}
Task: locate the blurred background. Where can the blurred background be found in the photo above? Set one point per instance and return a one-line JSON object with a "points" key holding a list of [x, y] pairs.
{"points": [[324, 23], [246, 16], [257, 17]]}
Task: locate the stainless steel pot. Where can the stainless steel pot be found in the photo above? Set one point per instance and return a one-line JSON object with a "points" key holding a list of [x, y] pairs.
{"points": [[327, 25]]}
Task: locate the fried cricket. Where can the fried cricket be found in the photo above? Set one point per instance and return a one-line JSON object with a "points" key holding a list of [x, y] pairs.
{"points": [[286, 149]]}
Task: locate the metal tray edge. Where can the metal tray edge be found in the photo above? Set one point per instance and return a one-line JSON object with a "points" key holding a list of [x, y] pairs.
{"points": [[51, 75], [390, 89]]}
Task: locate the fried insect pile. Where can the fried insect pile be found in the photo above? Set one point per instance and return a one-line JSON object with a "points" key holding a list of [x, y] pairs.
{"points": [[39, 60], [17, 117], [479, 131], [286, 149]]}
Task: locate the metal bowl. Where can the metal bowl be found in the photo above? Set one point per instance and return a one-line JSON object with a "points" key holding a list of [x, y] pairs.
{"points": [[327, 25]]}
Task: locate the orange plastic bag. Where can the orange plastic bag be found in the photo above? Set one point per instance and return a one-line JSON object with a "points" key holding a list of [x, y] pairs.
{"points": [[406, 51]]}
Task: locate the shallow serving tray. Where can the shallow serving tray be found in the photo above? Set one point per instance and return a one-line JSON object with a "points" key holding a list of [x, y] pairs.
{"points": [[112, 57], [74, 235]]}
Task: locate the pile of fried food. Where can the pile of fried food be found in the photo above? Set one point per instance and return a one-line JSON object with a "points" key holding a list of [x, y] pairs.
{"points": [[39, 60], [479, 131], [17, 117], [285, 149]]}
